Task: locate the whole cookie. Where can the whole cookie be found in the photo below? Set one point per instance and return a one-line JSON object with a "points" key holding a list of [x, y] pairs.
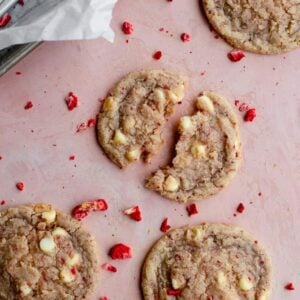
{"points": [[262, 26], [205, 262], [45, 255], [132, 116], [208, 152]]}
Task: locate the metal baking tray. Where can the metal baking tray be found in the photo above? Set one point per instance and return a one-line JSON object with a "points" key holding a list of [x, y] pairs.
{"points": [[10, 56]]}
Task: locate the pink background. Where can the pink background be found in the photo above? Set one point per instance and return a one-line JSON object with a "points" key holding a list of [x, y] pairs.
{"points": [[90, 69]]}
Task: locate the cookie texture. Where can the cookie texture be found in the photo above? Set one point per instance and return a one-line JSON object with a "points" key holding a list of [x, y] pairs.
{"points": [[133, 114], [45, 255], [208, 152], [206, 262], [262, 26]]}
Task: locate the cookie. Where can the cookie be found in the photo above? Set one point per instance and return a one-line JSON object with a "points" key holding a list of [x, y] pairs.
{"points": [[208, 261], [45, 255], [208, 152], [262, 26], [133, 114]]}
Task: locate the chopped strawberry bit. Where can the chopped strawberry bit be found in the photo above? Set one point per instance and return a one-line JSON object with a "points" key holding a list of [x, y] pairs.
{"points": [[243, 107], [72, 157], [81, 211], [83, 126], [127, 28], [120, 251], [250, 115], [259, 194], [164, 225], [236, 102], [289, 286], [236, 55], [28, 105], [103, 298], [91, 123], [18, 73], [1, 157], [157, 55], [134, 213], [71, 101], [109, 267], [192, 209], [20, 186], [172, 292], [74, 271], [2, 202], [185, 37], [4, 20], [240, 208], [21, 2]]}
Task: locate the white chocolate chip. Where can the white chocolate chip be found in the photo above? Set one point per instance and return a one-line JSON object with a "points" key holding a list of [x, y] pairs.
{"points": [[133, 154], [58, 231], [171, 184], [245, 284], [178, 283], [263, 296], [74, 260], [66, 275], [159, 94], [205, 103], [185, 123], [47, 245], [221, 278], [119, 137], [198, 150], [176, 94], [49, 216], [25, 289], [108, 104], [194, 234]]}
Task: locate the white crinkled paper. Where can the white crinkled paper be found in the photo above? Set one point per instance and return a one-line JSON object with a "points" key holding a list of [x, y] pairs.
{"points": [[52, 20]]}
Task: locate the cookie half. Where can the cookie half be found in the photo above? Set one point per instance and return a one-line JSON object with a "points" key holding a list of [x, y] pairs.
{"points": [[262, 26], [208, 261], [133, 114], [208, 152], [45, 254]]}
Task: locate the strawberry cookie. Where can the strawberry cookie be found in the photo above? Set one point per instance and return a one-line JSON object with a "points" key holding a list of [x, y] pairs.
{"points": [[267, 27], [208, 152], [133, 114], [208, 261], [45, 254]]}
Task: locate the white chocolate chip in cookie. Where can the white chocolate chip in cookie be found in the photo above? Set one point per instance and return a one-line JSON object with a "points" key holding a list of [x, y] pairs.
{"points": [[194, 234], [205, 103], [47, 245], [198, 150], [185, 123], [221, 278], [263, 296], [25, 289], [245, 284], [177, 93], [58, 231], [49, 216], [108, 104], [171, 184], [66, 275], [119, 137], [74, 260], [133, 154], [159, 94], [178, 282]]}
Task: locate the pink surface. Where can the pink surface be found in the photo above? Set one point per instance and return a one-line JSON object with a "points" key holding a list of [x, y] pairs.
{"points": [[271, 142]]}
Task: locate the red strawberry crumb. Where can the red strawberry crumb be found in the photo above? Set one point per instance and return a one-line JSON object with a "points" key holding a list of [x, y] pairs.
{"points": [[1, 157], [169, 0], [134, 213], [236, 102], [240, 208], [236, 55], [20, 186], [71, 101], [2, 202], [164, 225], [157, 55], [21, 2], [185, 37], [127, 28], [243, 107], [161, 29], [289, 286], [74, 271], [259, 194], [192, 209], [18, 73], [4, 20], [120, 251], [84, 126], [103, 298], [91, 123], [250, 115], [72, 157], [172, 292], [109, 267], [82, 210], [28, 105]]}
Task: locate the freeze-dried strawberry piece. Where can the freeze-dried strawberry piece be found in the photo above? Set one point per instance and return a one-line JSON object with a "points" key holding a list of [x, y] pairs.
{"points": [[127, 28], [250, 115], [236, 102], [172, 292], [82, 210], [134, 213], [21, 2], [18, 73], [240, 208], [91, 123], [83, 126], [71, 101], [120, 251], [71, 157], [103, 298], [74, 271], [236, 55], [4, 20], [28, 105], [109, 267], [192, 209], [164, 225], [243, 107], [289, 286], [157, 55], [185, 37], [2, 202], [20, 186]]}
